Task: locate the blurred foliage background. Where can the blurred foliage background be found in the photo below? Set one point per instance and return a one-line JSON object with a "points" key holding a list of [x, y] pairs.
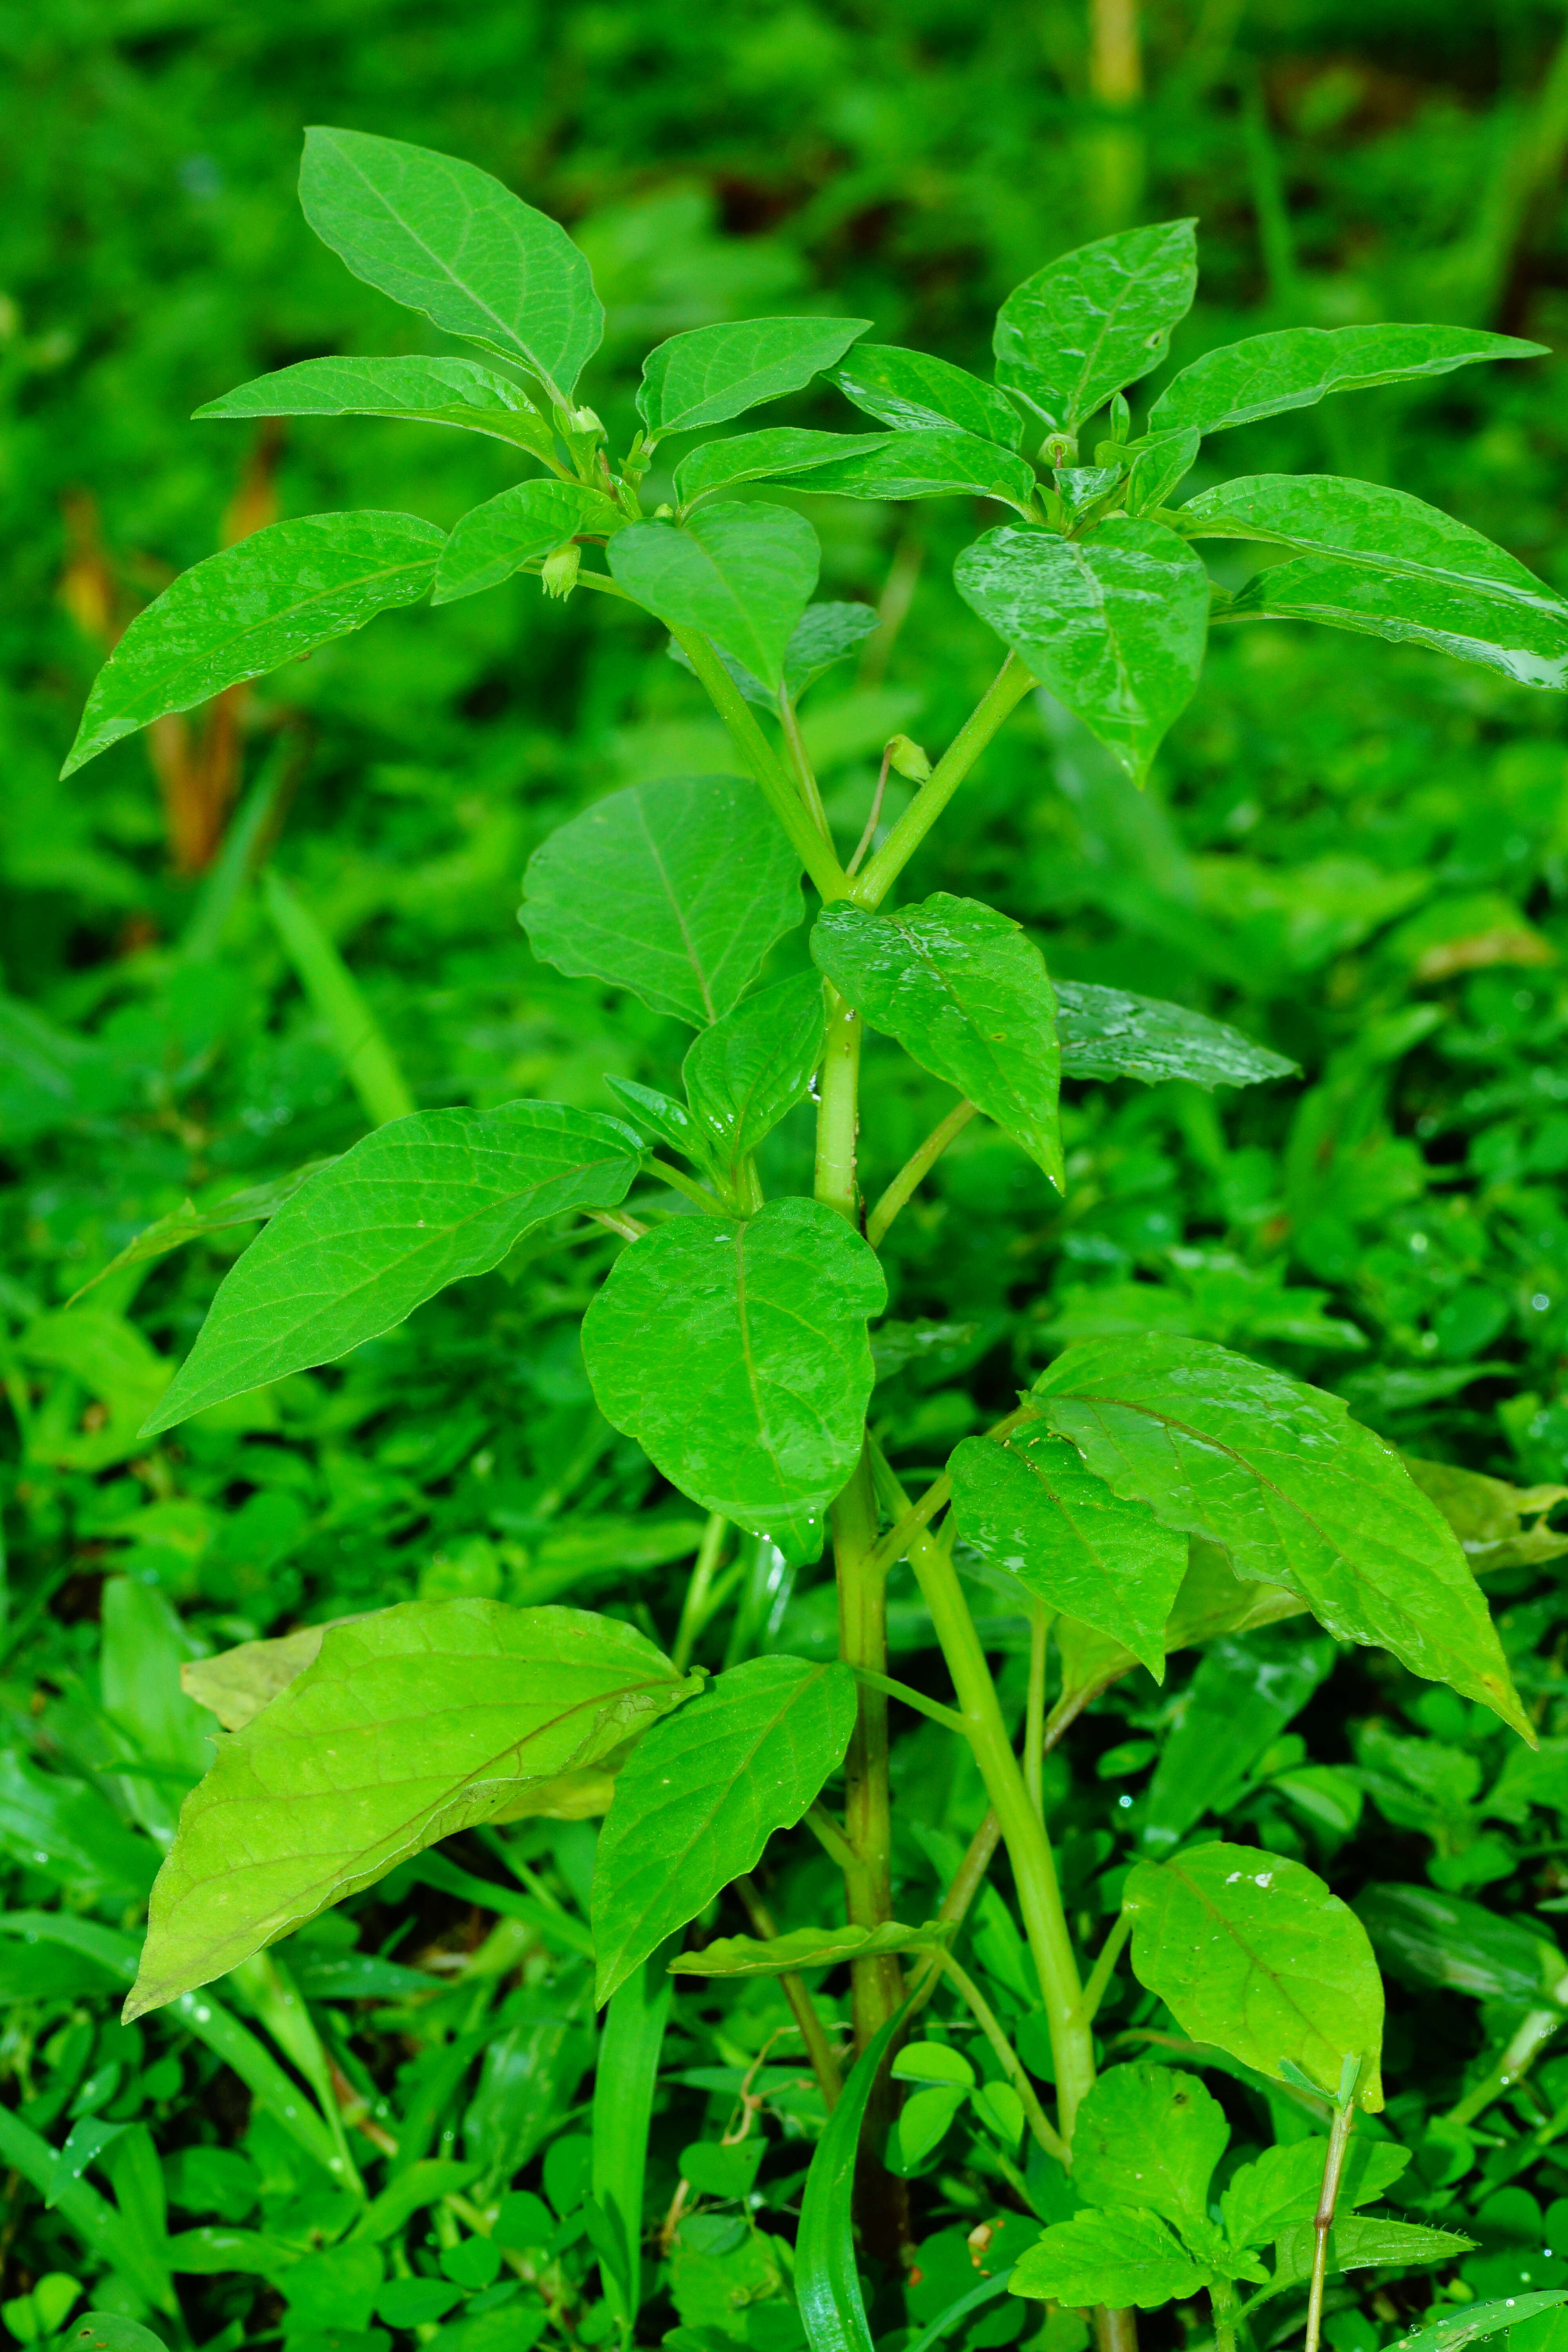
{"points": [[222, 944]]}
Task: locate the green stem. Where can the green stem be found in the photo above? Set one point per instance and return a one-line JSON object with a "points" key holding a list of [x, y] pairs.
{"points": [[1034, 1866], [1001, 697], [1104, 1968], [1531, 2035], [1034, 1712], [803, 2009], [815, 853], [947, 1716], [1225, 2305], [967, 1881], [1323, 2220], [695, 1608], [805, 778], [985, 2018], [896, 1540], [878, 1984], [679, 1181], [916, 1167], [837, 1110]]}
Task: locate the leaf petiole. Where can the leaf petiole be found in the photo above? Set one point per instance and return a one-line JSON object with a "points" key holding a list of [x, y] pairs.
{"points": [[916, 1167], [1001, 698], [948, 1717]]}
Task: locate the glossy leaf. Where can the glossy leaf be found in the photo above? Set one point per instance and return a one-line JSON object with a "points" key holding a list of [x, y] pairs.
{"points": [[741, 574], [736, 1354], [1296, 366], [808, 1948], [1472, 2323], [1159, 469], [926, 465], [1296, 1493], [1149, 2137], [1252, 1952], [675, 889], [745, 1073], [713, 373], [915, 392], [528, 521], [1096, 320], [1364, 2242], [1245, 1691], [1107, 1034], [1028, 1504], [1488, 1515], [966, 992], [626, 2081], [251, 1206], [419, 1203], [770, 456], [238, 1683], [422, 391], [823, 634], [1426, 1936], [660, 1115], [1113, 624], [1281, 2189], [702, 1793], [1119, 2260], [276, 595], [441, 237], [329, 1787], [827, 2279], [1527, 642]]}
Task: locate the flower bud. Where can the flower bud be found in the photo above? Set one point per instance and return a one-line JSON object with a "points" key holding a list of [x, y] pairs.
{"points": [[560, 571], [906, 758], [1058, 449], [584, 420]]}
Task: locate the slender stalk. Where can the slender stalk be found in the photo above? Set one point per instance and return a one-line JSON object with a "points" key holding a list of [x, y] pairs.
{"points": [[1529, 2037], [815, 853], [1104, 1968], [1001, 697], [967, 1881], [877, 1984], [946, 1716], [818, 2048], [694, 1609], [1225, 2305], [618, 1220], [985, 2018], [837, 1110], [830, 1837], [679, 1181], [1034, 1866], [916, 1167], [1035, 1711], [805, 778], [896, 1540], [1323, 2220], [870, 834]]}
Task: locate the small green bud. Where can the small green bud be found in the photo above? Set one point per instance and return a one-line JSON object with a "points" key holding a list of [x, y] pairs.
{"points": [[663, 513], [560, 571], [907, 759], [1120, 417], [1058, 449], [584, 420]]}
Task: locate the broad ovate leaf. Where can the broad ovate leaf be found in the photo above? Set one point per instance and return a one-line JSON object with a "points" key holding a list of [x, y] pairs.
{"points": [[675, 889], [735, 1352], [1294, 1491], [935, 464], [528, 521], [1281, 2189], [1252, 1952], [809, 1947], [745, 1073], [967, 995], [823, 634], [421, 1202], [1527, 642], [441, 237], [1114, 625], [1114, 2261], [1148, 2136], [411, 1724], [1029, 1504], [741, 575], [1107, 1034], [1295, 367], [1096, 320], [915, 392], [236, 1684], [713, 373], [421, 391], [700, 1797], [279, 593], [769, 456], [1162, 463]]}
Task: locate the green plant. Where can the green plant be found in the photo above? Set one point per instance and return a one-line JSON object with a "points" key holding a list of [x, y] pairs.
{"points": [[1147, 1492]]}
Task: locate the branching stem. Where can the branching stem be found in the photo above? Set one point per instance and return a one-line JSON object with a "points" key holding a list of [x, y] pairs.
{"points": [[1001, 697], [916, 1167]]}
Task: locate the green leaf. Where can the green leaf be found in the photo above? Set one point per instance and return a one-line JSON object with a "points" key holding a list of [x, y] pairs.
{"points": [[915, 392], [106, 2331], [675, 889], [441, 237], [1265, 2199], [530, 519], [1296, 366], [1251, 1951], [927, 465], [1426, 1938], [1116, 2260], [625, 2078], [825, 634], [660, 1115], [1488, 1515], [419, 1203], [1245, 1691], [1113, 624], [422, 391], [1028, 1504], [236, 1684], [1476, 2321], [826, 2276], [412, 1724], [1149, 2137], [770, 456], [1096, 320], [1107, 1034], [105, 2233], [745, 1073], [933, 2062], [703, 1792], [251, 1206], [1363, 2244], [966, 992], [1296, 1493], [923, 2123], [713, 373], [1159, 468], [808, 1948], [736, 1354], [277, 595], [1527, 642], [741, 575]]}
